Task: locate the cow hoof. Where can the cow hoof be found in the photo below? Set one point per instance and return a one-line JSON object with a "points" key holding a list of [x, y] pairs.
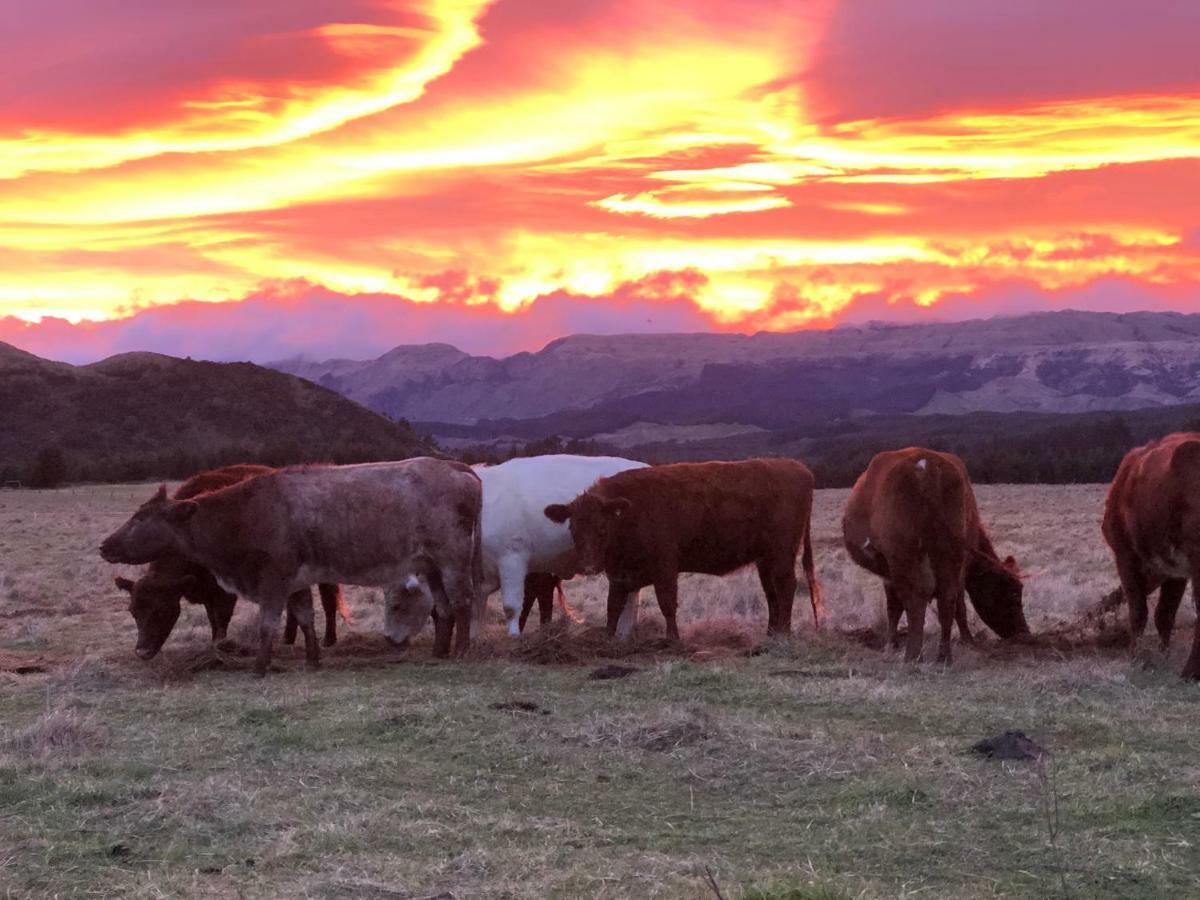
{"points": [[329, 642]]}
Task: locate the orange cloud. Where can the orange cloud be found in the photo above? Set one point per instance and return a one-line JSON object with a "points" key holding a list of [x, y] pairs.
{"points": [[472, 154]]}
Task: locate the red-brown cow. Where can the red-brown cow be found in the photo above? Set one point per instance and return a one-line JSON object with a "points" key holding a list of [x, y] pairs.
{"points": [[155, 597], [644, 526], [1152, 524], [912, 520]]}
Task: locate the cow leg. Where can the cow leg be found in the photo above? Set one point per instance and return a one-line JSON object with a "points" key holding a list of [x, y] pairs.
{"points": [[531, 597], [915, 602], [220, 612], [960, 615], [462, 625], [513, 570], [330, 601], [443, 628], [767, 579], [289, 627], [539, 589], [618, 599], [270, 606], [785, 598], [895, 609], [950, 588], [667, 592], [1191, 669], [455, 595], [1169, 598], [627, 620], [545, 600], [1134, 588], [300, 610]]}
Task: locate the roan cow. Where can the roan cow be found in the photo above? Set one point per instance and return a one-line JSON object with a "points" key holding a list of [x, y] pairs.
{"points": [[155, 597], [411, 525], [644, 526], [912, 520], [1152, 524], [519, 541]]}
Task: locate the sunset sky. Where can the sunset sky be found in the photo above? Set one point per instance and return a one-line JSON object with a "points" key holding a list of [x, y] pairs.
{"points": [[252, 180]]}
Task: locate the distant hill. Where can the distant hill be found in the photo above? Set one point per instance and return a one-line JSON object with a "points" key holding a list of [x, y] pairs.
{"points": [[587, 385], [143, 414]]}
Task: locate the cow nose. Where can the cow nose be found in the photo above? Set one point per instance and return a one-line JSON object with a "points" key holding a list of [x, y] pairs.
{"points": [[145, 653]]}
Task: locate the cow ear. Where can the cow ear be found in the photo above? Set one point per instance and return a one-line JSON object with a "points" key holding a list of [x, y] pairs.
{"points": [[558, 512], [618, 508], [181, 511], [161, 495], [124, 584]]}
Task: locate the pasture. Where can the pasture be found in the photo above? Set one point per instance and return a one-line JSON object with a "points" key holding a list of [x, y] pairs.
{"points": [[820, 768]]}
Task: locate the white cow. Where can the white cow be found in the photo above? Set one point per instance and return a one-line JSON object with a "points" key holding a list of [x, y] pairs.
{"points": [[517, 536]]}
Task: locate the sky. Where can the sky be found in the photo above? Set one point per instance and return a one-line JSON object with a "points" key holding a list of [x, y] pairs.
{"points": [[235, 180]]}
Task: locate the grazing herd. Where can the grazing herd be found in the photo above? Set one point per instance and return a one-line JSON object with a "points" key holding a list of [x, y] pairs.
{"points": [[438, 537]]}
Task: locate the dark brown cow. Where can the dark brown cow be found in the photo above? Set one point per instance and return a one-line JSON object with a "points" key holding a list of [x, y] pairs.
{"points": [[155, 597], [644, 526], [1152, 524], [913, 521], [411, 525]]}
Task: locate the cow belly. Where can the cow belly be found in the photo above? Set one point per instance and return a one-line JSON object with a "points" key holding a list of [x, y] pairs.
{"points": [[373, 576], [1171, 564]]}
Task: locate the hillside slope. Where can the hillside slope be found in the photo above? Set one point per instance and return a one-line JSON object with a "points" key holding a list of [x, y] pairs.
{"points": [[147, 414]]}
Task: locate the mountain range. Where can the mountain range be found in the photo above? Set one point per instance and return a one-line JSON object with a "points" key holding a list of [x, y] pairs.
{"points": [[634, 390]]}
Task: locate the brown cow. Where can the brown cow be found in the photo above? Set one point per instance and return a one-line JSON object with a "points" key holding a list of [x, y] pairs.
{"points": [[912, 520], [400, 525], [1152, 524], [155, 597], [644, 526]]}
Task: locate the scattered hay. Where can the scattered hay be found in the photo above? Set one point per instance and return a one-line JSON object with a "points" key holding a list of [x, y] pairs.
{"points": [[522, 706], [666, 734], [87, 675], [714, 638], [563, 644], [56, 734]]}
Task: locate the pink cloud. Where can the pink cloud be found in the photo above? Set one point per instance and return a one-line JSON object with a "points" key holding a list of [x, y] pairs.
{"points": [[306, 320]]}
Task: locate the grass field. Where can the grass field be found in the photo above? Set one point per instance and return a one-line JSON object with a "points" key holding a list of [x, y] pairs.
{"points": [[821, 768]]}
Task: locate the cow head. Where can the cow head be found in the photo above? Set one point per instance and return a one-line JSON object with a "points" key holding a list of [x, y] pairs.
{"points": [[996, 589], [150, 533], [595, 522], [154, 605], [406, 609]]}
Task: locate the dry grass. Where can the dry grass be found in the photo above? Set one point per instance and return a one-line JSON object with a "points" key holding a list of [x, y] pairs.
{"points": [[816, 767]]}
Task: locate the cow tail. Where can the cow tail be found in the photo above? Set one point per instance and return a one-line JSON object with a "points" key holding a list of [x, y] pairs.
{"points": [[333, 597], [479, 606], [810, 574], [566, 607]]}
